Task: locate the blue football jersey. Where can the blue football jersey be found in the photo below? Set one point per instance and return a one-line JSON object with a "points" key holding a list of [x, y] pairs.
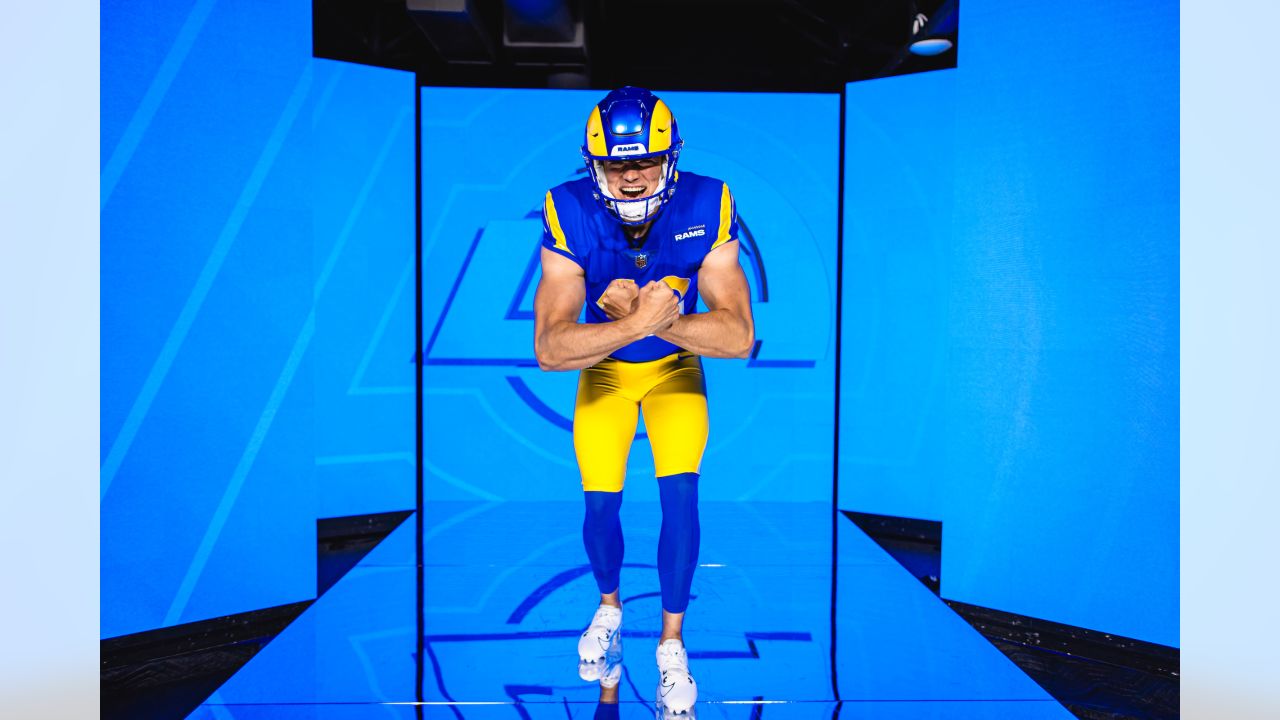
{"points": [[699, 217]]}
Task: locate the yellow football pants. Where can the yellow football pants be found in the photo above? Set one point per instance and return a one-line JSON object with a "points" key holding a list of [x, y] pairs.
{"points": [[671, 393]]}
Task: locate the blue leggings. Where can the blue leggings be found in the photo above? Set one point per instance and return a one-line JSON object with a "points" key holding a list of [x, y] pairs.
{"points": [[677, 542]]}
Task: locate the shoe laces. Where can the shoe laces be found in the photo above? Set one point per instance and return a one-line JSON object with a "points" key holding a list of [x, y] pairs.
{"points": [[606, 620], [672, 656], [606, 615]]}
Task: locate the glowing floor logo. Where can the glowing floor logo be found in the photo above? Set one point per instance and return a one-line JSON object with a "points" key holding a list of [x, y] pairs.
{"points": [[537, 629]]}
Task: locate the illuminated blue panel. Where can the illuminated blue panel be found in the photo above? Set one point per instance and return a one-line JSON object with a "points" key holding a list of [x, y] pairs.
{"points": [[1011, 312], [206, 289], [362, 200], [222, 226], [496, 426]]}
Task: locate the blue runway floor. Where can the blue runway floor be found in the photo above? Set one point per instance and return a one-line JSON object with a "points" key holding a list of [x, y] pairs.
{"points": [[507, 591]]}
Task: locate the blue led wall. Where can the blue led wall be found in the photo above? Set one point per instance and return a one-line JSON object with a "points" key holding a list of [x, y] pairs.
{"points": [[497, 427], [1010, 347], [257, 230]]}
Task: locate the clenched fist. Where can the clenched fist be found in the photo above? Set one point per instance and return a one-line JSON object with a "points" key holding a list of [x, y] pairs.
{"points": [[620, 298], [656, 308]]}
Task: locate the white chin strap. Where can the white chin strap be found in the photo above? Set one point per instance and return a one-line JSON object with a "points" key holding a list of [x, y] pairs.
{"points": [[639, 209]]}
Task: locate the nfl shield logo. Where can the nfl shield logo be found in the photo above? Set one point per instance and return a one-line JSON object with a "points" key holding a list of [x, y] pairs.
{"points": [[641, 260]]}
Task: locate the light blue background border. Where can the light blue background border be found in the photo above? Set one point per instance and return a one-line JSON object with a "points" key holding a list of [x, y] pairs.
{"points": [[1229, 156], [49, 359]]}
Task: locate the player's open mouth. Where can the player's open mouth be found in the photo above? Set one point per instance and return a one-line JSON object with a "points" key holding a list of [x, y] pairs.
{"points": [[632, 191]]}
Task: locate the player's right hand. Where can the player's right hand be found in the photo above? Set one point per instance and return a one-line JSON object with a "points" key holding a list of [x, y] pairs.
{"points": [[658, 307]]}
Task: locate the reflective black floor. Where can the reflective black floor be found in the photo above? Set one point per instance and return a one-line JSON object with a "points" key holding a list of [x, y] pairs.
{"points": [[506, 592]]}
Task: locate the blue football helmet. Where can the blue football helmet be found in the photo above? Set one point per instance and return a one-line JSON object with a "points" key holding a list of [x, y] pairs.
{"points": [[632, 123]]}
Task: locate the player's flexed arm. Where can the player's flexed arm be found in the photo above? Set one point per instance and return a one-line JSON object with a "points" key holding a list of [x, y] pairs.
{"points": [[562, 343], [727, 329]]}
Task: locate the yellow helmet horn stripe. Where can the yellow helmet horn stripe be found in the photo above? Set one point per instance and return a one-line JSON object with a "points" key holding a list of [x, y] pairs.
{"points": [[595, 134], [660, 128]]}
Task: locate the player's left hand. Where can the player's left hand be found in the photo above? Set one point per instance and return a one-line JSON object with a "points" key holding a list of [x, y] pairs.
{"points": [[619, 299]]}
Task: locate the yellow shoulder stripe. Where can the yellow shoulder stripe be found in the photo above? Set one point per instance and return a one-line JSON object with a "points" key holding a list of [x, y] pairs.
{"points": [[553, 222], [726, 217]]}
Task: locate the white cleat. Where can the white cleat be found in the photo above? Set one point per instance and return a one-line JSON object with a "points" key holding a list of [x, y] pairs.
{"points": [[608, 669], [677, 692], [600, 647]]}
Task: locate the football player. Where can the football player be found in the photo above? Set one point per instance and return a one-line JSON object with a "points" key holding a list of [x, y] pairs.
{"points": [[638, 242]]}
